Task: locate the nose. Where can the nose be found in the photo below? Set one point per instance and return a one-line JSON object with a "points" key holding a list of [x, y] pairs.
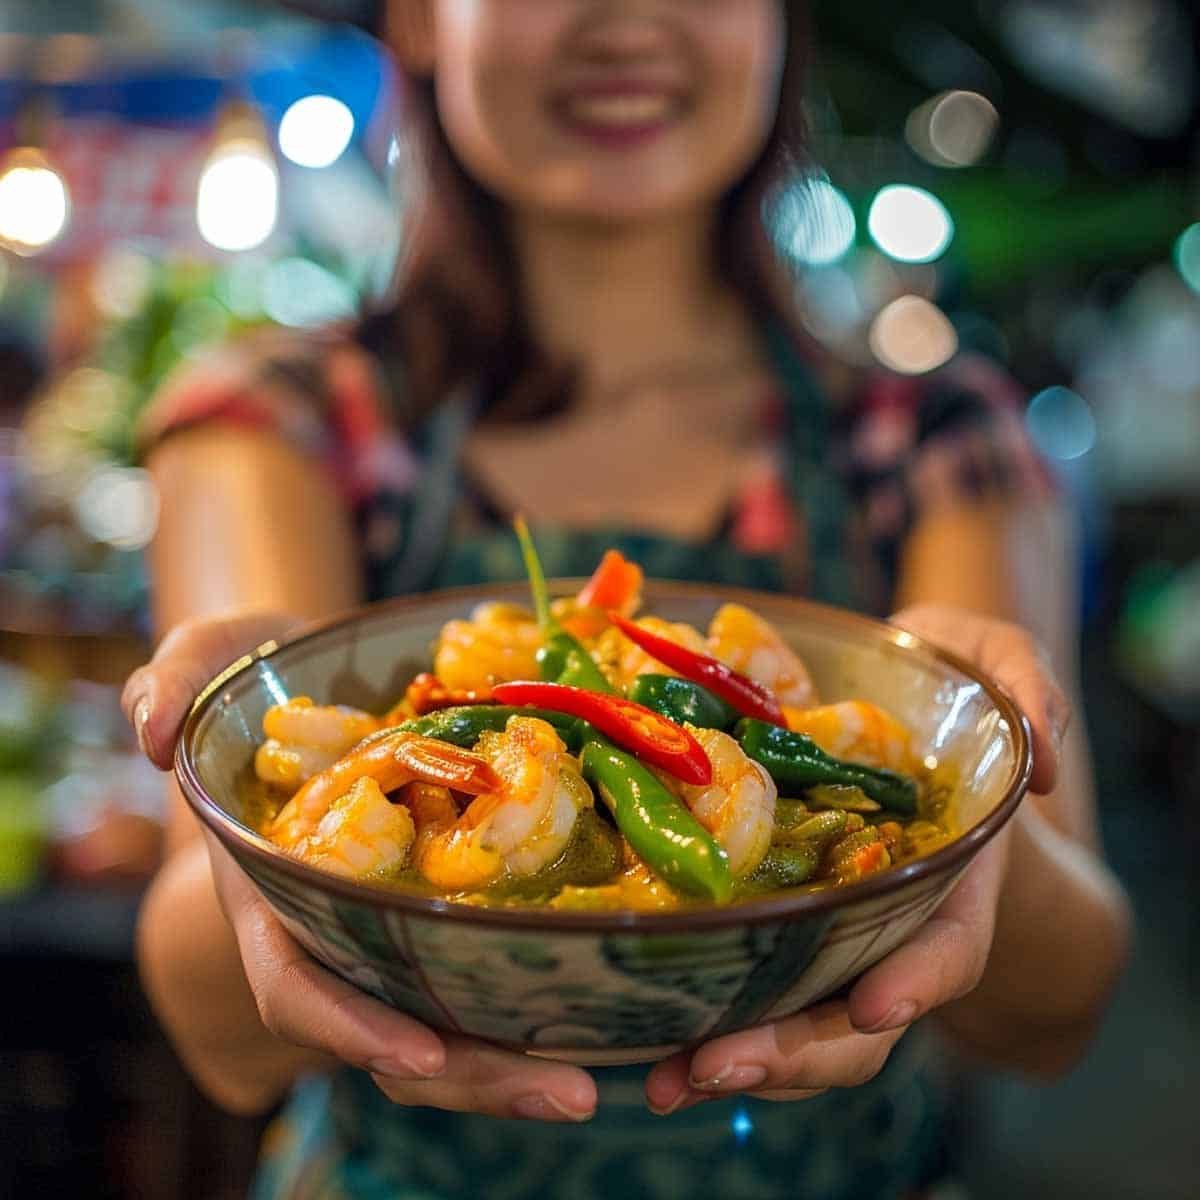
{"points": [[623, 32]]}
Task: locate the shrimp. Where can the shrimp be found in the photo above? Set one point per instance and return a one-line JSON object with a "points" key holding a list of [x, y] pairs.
{"points": [[856, 731], [625, 661], [738, 807], [362, 833], [391, 758], [520, 826], [746, 642], [498, 644], [304, 739]]}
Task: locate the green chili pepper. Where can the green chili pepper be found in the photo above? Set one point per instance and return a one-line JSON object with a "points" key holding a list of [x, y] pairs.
{"points": [[796, 761], [656, 825], [463, 726], [562, 658], [683, 701]]}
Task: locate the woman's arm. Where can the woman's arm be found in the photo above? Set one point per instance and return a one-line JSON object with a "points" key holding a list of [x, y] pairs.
{"points": [[1062, 922], [1020, 958], [246, 521]]}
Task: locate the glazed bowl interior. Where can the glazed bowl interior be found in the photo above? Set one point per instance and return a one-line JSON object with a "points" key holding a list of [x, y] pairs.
{"points": [[366, 660]]}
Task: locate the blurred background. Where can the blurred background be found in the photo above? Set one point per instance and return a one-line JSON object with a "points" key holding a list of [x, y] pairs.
{"points": [[1016, 176]]}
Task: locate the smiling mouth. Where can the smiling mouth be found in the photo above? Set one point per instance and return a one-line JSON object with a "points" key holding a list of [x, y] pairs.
{"points": [[621, 111]]}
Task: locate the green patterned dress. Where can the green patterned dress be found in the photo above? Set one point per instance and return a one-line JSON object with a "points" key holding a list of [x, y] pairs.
{"points": [[854, 473]]}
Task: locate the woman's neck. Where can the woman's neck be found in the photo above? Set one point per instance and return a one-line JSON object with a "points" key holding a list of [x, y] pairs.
{"points": [[626, 300]]}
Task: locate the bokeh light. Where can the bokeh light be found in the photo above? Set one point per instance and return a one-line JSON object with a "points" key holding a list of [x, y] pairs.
{"points": [[954, 129], [1061, 424], [910, 224], [118, 506], [813, 223], [913, 337], [34, 203], [315, 131], [303, 294], [1187, 256], [237, 204]]}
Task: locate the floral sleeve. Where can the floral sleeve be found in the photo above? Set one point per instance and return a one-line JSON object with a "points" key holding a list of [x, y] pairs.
{"points": [[319, 392], [918, 447]]}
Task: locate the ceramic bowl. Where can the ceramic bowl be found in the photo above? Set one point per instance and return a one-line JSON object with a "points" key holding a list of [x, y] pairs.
{"points": [[605, 988]]}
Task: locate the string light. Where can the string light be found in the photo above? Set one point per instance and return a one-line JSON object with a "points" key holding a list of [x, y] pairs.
{"points": [[237, 203], [35, 203]]}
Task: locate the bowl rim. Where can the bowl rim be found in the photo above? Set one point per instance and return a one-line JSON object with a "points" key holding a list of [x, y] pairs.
{"points": [[784, 905]]}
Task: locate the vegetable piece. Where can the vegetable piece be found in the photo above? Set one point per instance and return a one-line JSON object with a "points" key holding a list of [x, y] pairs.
{"points": [[858, 855], [682, 701], [659, 829], [428, 693], [795, 761], [734, 688], [847, 799], [650, 736], [463, 726], [819, 830], [616, 583], [786, 866], [562, 659]]}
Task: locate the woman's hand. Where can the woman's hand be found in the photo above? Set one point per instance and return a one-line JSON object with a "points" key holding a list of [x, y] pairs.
{"points": [[844, 1043], [295, 1000]]}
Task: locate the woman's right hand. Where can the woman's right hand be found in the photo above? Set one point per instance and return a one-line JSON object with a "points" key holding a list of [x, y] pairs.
{"points": [[297, 1001]]}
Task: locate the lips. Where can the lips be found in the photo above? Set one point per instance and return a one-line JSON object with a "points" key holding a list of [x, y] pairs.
{"points": [[619, 111]]}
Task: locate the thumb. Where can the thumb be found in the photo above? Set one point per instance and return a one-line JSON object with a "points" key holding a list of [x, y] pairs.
{"points": [[158, 695]]}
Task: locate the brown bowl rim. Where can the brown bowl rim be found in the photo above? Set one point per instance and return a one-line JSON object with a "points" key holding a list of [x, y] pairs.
{"points": [[774, 907]]}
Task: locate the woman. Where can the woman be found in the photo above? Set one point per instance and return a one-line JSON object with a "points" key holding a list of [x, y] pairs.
{"points": [[589, 254]]}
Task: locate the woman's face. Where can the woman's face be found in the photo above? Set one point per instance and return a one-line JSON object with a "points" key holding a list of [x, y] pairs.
{"points": [[607, 109]]}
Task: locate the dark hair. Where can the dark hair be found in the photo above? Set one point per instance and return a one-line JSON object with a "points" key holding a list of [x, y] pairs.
{"points": [[455, 314]]}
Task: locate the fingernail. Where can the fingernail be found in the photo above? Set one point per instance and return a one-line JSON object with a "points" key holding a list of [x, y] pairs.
{"points": [[141, 718], [540, 1107], [898, 1016], [674, 1106], [731, 1079], [407, 1068]]}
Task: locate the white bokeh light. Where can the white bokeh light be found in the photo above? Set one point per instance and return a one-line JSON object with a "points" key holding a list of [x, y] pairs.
{"points": [[34, 205], [910, 224], [913, 336], [315, 131], [237, 204]]}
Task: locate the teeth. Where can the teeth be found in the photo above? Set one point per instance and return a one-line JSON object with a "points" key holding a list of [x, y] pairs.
{"points": [[620, 110]]}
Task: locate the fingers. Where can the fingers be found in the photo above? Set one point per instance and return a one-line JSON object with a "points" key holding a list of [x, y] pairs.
{"points": [[157, 696], [846, 1043], [304, 1004], [480, 1078], [1017, 662], [945, 958], [792, 1059]]}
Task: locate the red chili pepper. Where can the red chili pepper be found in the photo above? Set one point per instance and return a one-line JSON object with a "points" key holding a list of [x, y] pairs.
{"points": [[733, 687], [427, 693], [616, 583], [653, 738]]}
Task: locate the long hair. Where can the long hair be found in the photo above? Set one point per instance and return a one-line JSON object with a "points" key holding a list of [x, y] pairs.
{"points": [[454, 311]]}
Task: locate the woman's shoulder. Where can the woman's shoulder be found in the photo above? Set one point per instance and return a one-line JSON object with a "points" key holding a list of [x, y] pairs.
{"points": [[320, 390]]}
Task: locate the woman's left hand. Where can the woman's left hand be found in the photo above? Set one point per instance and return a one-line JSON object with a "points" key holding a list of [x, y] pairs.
{"points": [[845, 1042]]}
